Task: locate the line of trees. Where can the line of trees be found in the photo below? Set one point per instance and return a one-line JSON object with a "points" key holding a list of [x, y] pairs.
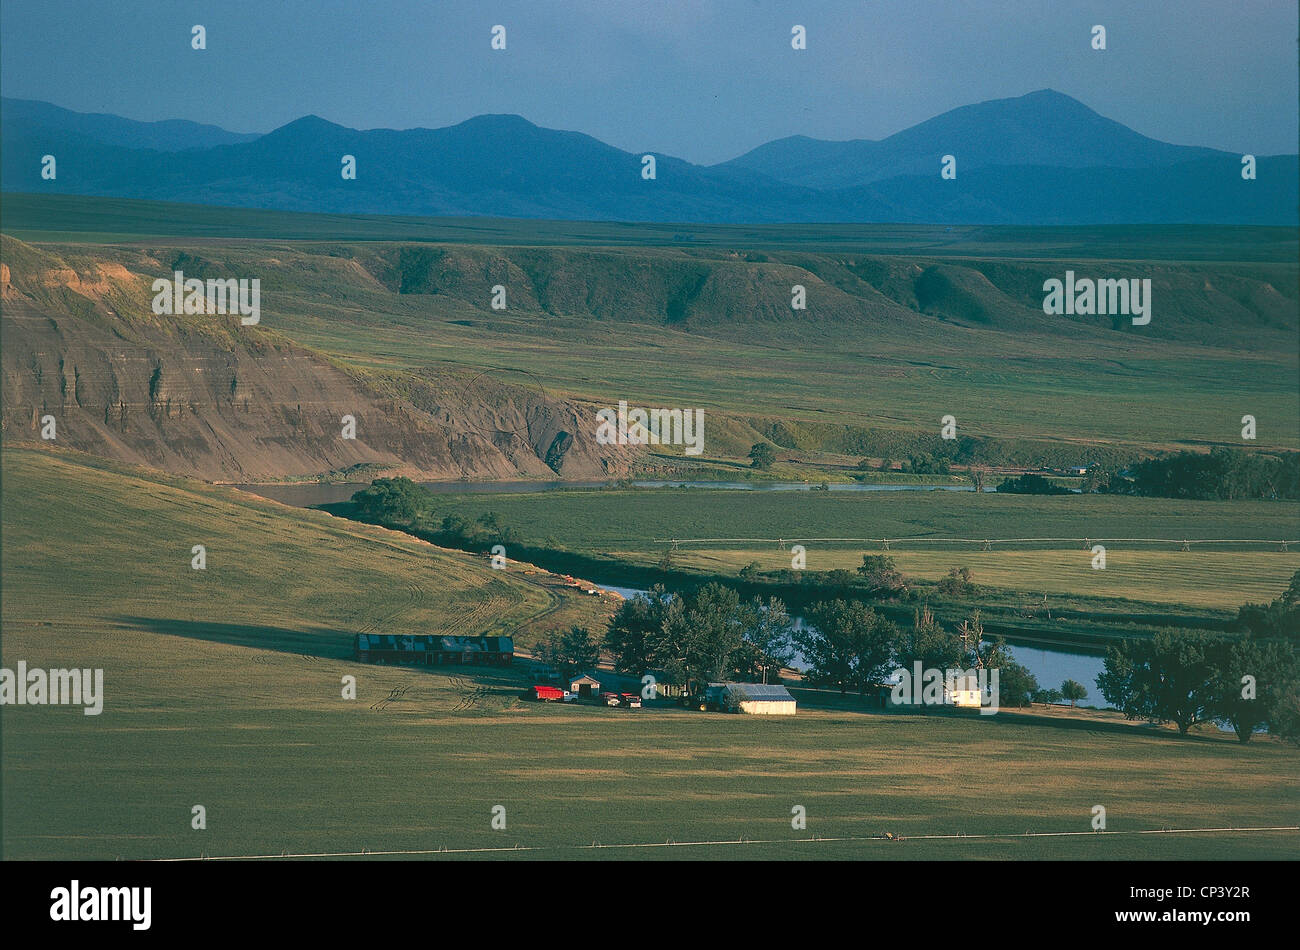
{"points": [[1183, 677], [1221, 474], [1248, 681], [1031, 484], [711, 635], [403, 504], [922, 463], [878, 576], [1190, 677]]}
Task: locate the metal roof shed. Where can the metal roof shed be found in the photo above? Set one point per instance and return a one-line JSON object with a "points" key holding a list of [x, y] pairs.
{"points": [[758, 699]]}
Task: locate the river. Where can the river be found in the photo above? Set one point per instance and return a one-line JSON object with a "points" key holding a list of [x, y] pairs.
{"points": [[306, 494]]}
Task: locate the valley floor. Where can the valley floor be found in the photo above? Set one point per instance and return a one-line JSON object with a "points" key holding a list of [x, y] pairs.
{"points": [[223, 688]]}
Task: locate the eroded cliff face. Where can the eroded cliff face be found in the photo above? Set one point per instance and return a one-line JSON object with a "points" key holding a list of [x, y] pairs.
{"points": [[202, 395]]}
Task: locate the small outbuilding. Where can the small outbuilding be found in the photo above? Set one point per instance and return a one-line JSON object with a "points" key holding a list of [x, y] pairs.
{"points": [[585, 685]]}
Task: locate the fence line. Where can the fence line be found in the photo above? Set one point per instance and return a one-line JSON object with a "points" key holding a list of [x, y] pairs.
{"points": [[740, 841], [337, 854]]}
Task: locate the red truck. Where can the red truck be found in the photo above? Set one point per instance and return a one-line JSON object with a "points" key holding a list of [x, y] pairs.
{"points": [[545, 694]]}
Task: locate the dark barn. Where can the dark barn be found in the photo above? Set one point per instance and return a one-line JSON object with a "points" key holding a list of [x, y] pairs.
{"points": [[435, 651]]}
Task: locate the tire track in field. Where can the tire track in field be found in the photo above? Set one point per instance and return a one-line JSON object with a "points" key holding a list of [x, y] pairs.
{"points": [[554, 603], [502, 596], [471, 700], [471, 693], [396, 693], [488, 605], [494, 599], [493, 604], [413, 596]]}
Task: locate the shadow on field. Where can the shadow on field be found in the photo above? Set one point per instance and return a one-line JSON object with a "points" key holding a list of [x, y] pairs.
{"points": [[1013, 716], [828, 701], [1024, 717], [323, 642], [327, 643]]}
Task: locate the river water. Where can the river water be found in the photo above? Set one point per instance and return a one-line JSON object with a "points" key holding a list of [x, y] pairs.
{"points": [[303, 495]]}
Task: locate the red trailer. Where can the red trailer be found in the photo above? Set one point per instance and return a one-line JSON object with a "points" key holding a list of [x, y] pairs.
{"points": [[546, 694]]}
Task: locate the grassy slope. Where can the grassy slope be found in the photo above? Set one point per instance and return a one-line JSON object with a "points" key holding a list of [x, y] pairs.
{"points": [[1056, 392], [598, 323], [224, 691], [268, 568], [825, 369]]}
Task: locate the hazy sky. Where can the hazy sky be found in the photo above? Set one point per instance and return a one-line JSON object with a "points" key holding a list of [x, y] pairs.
{"points": [[701, 79]]}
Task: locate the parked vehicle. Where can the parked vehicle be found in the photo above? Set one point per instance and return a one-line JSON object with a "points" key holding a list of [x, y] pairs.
{"points": [[631, 700], [545, 694], [571, 697], [611, 699]]}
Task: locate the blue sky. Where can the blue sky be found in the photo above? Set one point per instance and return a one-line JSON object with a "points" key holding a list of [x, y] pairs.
{"points": [[704, 80]]}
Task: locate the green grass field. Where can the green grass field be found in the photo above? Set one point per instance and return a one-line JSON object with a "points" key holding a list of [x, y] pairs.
{"points": [[636, 526], [600, 520], [82, 218], [1216, 580], [222, 689], [322, 775]]}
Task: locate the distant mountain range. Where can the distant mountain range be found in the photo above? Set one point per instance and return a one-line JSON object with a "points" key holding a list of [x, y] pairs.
{"points": [[171, 135], [1039, 159]]}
